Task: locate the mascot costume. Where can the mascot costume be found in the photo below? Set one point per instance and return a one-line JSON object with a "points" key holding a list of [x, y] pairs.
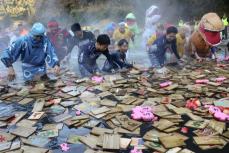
{"points": [[206, 36], [151, 19]]}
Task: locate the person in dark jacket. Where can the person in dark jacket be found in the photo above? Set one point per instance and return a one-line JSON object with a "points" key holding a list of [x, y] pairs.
{"points": [[81, 37], [118, 57], [164, 50], [91, 52]]}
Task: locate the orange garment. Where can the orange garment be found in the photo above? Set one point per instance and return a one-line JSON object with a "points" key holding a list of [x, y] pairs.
{"points": [[23, 32], [199, 44], [180, 44]]}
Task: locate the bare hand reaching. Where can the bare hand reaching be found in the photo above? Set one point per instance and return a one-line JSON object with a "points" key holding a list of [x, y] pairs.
{"points": [[11, 74]]}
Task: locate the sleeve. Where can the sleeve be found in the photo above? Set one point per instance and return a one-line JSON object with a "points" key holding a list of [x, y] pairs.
{"points": [[151, 40], [174, 48], [83, 58], [121, 63], [106, 67], [11, 54], [109, 58], [131, 35], [51, 58]]}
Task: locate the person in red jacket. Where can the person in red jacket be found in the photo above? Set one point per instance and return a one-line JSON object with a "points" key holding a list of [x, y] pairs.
{"points": [[59, 38]]}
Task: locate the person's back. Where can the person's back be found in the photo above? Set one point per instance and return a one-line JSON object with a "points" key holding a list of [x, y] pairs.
{"points": [[81, 37], [87, 38], [88, 54]]}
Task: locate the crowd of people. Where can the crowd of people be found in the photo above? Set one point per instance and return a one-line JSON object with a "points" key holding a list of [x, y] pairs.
{"points": [[38, 47]]}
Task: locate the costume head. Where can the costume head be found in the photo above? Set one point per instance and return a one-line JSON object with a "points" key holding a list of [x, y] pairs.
{"points": [[151, 19], [207, 34], [130, 19], [152, 16], [210, 27]]}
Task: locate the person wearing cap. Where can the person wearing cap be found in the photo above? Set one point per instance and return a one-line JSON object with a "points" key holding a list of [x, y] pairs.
{"points": [[81, 37], [59, 38], [122, 32], [91, 52], [164, 49], [119, 57], [35, 51]]}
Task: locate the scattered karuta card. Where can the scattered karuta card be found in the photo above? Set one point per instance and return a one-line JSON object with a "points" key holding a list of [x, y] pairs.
{"points": [[38, 106], [100, 110], [23, 131], [49, 133], [111, 141], [196, 124], [36, 115]]}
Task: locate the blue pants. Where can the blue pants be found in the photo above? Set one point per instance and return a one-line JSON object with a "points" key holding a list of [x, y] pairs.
{"points": [[87, 73], [154, 57]]}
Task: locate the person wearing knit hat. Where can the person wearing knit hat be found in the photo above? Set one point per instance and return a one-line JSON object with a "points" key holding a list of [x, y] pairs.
{"points": [[35, 50], [59, 38], [53, 26]]}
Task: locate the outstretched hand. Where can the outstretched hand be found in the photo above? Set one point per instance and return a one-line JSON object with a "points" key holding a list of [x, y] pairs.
{"points": [[11, 74], [57, 70]]}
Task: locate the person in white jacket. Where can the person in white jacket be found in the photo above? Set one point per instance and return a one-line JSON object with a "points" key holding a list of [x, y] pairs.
{"points": [[151, 19]]}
